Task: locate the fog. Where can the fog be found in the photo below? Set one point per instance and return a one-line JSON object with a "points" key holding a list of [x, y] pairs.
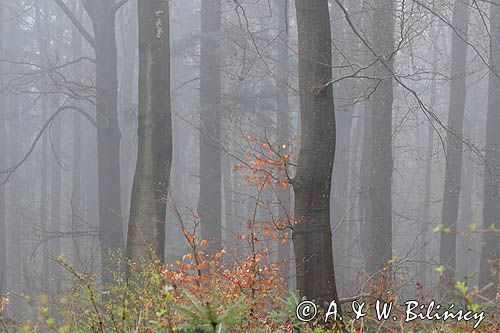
{"points": [[352, 155]]}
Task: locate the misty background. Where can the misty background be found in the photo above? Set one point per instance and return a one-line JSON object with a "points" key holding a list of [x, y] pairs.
{"points": [[416, 140]]}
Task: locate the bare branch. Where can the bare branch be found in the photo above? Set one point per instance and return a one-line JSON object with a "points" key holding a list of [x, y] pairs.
{"points": [[88, 37], [9, 172]]}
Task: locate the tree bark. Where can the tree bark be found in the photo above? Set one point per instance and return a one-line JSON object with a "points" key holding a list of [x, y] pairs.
{"points": [[210, 200], [146, 232], [380, 174], [454, 144], [102, 14], [284, 124], [489, 264], [312, 234], [3, 164]]}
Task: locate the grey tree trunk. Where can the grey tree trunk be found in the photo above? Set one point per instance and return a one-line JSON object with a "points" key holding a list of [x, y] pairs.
{"points": [[365, 160], [284, 121], [344, 118], [364, 181], [210, 200], [423, 253], [44, 196], [312, 234], [454, 144], [102, 14], [381, 167], [489, 265], [44, 177], [3, 164], [76, 171], [55, 212], [128, 126], [15, 195], [146, 232]]}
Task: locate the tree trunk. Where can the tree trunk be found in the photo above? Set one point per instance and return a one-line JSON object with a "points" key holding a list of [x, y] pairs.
{"points": [[15, 218], [284, 124], [55, 212], [312, 234], [423, 253], [380, 174], [111, 237], [454, 144], [152, 175], [210, 200], [3, 164], [489, 265], [365, 160], [44, 202], [77, 195]]}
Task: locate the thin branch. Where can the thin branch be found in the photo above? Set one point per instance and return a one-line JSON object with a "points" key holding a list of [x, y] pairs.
{"points": [[88, 37], [9, 172]]}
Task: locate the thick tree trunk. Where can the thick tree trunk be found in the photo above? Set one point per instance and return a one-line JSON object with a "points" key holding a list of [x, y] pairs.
{"points": [[284, 122], [3, 229], [3, 164], [454, 144], [344, 118], [108, 134], [489, 265], [3, 161], [380, 174], [210, 200], [312, 234], [146, 232], [129, 61]]}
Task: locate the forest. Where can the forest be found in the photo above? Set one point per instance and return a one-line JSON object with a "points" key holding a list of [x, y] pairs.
{"points": [[222, 166]]}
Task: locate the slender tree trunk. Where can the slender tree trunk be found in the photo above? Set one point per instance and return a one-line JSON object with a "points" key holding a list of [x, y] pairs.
{"points": [[76, 171], [55, 212], [312, 234], [424, 254], [152, 175], [380, 190], [210, 200], [489, 265], [44, 177], [454, 144], [366, 160], [44, 200], [463, 235], [364, 167], [15, 224]]}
